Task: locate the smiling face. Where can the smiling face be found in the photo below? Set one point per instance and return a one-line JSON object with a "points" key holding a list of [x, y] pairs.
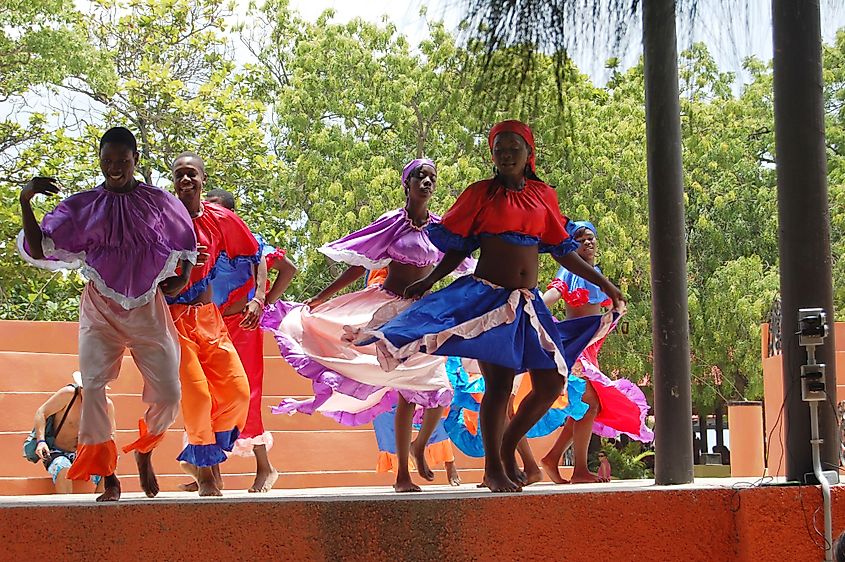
{"points": [[510, 154], [189, 178], [117, 162], [588, 244], [421, 183]]}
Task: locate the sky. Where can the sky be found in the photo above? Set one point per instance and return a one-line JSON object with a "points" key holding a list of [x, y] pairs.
{"points": [[732, 35]]}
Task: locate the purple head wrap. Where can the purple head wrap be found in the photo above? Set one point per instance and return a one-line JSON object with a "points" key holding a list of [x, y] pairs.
{"points": [[413, 165]]}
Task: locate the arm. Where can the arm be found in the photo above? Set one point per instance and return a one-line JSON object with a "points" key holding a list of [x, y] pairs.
{"points": [[352, 274], [54, 404], [551, 296], [287, 271], [31, 229], [172, 286], [451, 260], [574, 263], [255, 306]]}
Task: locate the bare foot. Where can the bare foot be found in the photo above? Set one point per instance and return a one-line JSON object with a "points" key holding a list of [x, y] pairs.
{"points": [[405, 484], [452, 474], [264, 480], [218, 478], [206, 482], [111, 490], [584, 477], [514, 474], [552, 470], [500, 483], [533, 476], [146, 475], [191, 471], [419, 460]]}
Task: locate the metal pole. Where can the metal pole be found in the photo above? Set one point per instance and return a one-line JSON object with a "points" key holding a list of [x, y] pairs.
{"points": [[803, 217], [670, 317]]}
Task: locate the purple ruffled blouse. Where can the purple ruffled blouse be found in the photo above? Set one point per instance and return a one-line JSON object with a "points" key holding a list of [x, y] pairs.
{"points": [[124, 243], [392, 237]]}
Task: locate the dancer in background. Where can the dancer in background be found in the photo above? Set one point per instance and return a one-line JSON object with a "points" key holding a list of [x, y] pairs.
{"points": [[615, 406], [438, 450], [239, 289], [496, 315], [215, 390], [128, 238], [349, 386]]}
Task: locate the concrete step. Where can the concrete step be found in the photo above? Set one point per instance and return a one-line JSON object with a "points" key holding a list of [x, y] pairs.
{"points": [[20, 486], [47, 372], [293, 451], [19, 409], [62, 337]]}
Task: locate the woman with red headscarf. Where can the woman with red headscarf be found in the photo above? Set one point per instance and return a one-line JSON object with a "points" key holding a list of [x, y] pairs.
{"points": [[497, 316]]}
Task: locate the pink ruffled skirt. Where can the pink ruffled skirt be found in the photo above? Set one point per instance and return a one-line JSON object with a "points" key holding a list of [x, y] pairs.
{"points": [[349, 385]]}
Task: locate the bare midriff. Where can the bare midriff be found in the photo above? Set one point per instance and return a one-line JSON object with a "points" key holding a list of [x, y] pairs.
{"points": [[511, 266], [400, 275], [584, 310], [203, 298]]}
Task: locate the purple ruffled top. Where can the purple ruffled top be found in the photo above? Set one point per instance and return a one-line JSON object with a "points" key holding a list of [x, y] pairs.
{"points": [[124, 243], [392, 237]]}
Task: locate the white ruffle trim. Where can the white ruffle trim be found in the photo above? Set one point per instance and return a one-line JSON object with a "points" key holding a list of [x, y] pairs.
{"points": [[390, 356], [51, 265], [353, 258], [71, 260], [243, 446]]}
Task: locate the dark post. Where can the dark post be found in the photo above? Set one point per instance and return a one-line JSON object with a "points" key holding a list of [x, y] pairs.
{"points": [[702, 429], [670, 317], [804, 221]]}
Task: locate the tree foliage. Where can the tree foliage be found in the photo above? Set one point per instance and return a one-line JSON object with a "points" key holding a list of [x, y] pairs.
{"points": [[310, 123]]}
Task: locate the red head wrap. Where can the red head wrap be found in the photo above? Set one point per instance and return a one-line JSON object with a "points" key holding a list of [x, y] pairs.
{"points": [[521, 129]]}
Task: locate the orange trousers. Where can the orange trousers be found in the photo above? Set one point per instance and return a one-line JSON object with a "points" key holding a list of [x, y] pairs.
{"points": [[105, 331], [215, 390]]}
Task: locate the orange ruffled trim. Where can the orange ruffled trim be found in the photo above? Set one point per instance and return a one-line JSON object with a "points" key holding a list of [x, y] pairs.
{"points": [[146, 442], [386, 462], [99, 459], [435, 454], [439, 453]]}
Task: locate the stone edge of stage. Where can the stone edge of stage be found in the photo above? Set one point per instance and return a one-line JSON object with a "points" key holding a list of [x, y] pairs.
{"points": [[620, 521]]}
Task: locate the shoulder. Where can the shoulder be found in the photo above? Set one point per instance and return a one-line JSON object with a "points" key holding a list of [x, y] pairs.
{"points": [[58, 400], [543, 189], [222, 214]]}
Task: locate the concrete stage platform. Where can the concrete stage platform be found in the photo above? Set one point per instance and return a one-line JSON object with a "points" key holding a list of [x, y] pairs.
{"points": [[711, 520]]}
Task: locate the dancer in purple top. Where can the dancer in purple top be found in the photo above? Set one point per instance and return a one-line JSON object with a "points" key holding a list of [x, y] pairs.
{"points": [[349, 386], [127, 238]]}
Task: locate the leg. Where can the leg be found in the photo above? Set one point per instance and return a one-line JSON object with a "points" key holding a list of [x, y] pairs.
{"points": [[226, 378], [431, 418], [250, 347], [156, 353], [265, 474], [58, 470], [552, 459], [100, 353], [583, 431], [494, 407], [202, 451], [531, 472], [547, 385], [403, 421], [452, 474]]}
